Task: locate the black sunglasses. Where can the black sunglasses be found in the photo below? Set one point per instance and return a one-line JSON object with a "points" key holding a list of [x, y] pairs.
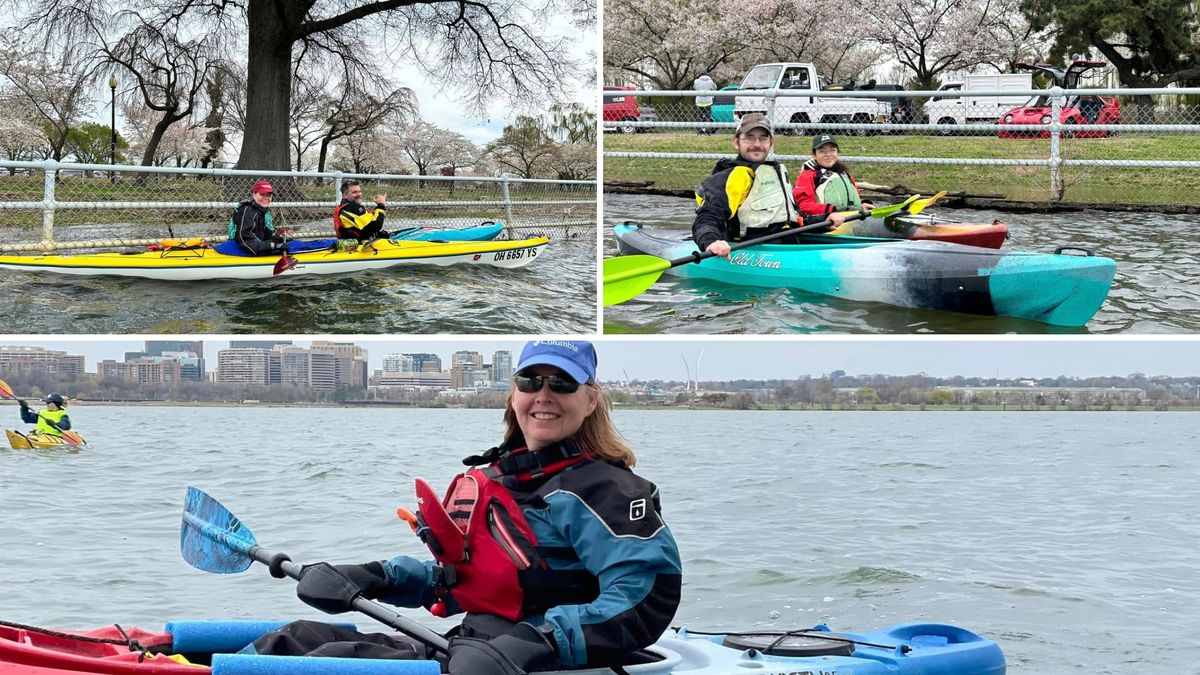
{"points": [[558, 383]]}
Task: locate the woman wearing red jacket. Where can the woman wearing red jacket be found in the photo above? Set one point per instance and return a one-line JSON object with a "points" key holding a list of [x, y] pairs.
{"points": [[825, 186]]}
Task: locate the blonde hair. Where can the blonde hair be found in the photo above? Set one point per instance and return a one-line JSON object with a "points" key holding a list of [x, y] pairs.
{"points": [[597, 436]]}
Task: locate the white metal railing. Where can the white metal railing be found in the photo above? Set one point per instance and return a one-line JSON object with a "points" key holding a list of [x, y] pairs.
{"points": [[54, 171], [1054, 129]]}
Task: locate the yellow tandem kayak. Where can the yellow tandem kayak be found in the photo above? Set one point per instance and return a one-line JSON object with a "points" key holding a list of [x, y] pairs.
{"points": [[194, 263], [33, 440]]}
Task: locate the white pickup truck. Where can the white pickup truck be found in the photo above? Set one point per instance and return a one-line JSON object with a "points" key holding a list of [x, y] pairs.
{"points": [[958, 106], [799, 100]]}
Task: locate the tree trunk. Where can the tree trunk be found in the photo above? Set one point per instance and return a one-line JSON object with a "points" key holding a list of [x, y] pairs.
{"points": [[268, 90], [156, 137], [324, 153]]}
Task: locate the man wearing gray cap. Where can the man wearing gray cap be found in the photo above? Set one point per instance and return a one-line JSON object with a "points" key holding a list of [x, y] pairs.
{"points": [[747, 196]]}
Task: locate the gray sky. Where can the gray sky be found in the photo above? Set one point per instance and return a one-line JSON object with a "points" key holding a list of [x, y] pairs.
{"points": [[762, 358]]}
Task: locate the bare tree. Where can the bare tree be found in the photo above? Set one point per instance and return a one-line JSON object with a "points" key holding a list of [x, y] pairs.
{"points": [[354, 112], [169, 72], [486, 48], [306, 121], [524, 148]]}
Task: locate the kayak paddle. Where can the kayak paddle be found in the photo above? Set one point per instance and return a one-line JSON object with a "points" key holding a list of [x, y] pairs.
{"points": [[70, 437], [286, 261], [628, 276], [214, 540], [920, 205]]}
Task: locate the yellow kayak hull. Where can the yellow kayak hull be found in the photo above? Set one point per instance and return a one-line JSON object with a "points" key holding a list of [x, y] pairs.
{"points": [[33, 440], [194, 264]]}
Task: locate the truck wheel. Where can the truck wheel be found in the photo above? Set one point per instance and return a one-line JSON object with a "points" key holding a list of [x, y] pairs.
{"points": [[797, 118], [946, 120], [627, 128]]}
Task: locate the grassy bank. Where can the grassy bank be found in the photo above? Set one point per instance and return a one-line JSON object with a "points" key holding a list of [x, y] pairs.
{"points": [[1084, 184]]}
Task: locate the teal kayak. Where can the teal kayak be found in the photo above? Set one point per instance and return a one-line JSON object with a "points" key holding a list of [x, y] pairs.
{"points": [[1054, 288], [486, 231], [905, 649]]}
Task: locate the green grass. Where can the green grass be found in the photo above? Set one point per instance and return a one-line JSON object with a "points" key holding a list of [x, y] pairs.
{"points": [[1084, 184]]}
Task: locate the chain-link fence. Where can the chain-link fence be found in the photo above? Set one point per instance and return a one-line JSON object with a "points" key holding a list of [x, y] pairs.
{"points": [[1104, 146], [51, 205]]}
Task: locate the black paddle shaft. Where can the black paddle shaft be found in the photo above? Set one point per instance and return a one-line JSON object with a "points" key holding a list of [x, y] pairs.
{"points": [[281, 565], [697, 256]]}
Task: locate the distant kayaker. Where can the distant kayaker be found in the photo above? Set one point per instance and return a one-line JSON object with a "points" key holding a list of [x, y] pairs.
{"points": [[352, 220], [825, 185], [52, 421], [553, 547], [252, 226], [747, 196]]}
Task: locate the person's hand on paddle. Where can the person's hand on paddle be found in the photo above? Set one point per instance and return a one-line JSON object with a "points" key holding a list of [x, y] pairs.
{"points": [[333, 588], [23, 404], [719, 248], [835, 220], [867, 207], [524, 649]]}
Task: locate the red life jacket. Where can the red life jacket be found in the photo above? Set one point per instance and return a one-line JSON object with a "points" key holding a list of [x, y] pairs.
{"points": [[337, 220], [489, 555]]}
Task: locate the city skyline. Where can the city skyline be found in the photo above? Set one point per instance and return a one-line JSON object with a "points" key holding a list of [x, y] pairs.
{"points": [[766, 359]]}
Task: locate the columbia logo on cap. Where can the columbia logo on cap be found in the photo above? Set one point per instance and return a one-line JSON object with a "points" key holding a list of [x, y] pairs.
{"points": [[557, 343]]}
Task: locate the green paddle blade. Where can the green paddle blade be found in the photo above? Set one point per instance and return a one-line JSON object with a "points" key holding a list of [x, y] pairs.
{"points": [[213, 539], [628, 276]]}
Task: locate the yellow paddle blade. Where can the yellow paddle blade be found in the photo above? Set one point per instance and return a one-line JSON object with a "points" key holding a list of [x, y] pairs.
{"points": [[628, 276], [920, 204], [5, 390]]}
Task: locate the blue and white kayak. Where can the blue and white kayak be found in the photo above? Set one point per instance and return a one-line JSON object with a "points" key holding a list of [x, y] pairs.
{"points": [[483, 232], [1054, 288], [905, 649]]}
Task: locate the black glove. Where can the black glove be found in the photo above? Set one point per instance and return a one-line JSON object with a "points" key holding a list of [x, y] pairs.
{"points": [[23, 404], [522, 650], [332, 588], [384, 234]]}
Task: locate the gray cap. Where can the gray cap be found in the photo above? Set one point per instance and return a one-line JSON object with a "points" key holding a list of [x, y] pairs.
{"points": [[754, 121]]}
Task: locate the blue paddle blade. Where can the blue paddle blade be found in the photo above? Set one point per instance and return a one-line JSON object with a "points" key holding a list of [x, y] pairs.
{"points": [[212, 538]]}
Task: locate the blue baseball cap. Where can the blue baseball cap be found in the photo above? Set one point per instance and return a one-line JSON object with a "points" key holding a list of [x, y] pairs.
{"points": [[575, 357]]}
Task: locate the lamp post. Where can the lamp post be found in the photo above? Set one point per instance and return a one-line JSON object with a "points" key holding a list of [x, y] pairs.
{"points": [[112, 87]]}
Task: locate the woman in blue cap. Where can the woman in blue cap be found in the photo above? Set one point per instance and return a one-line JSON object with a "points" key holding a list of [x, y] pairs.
{"points": [[554, 549]]}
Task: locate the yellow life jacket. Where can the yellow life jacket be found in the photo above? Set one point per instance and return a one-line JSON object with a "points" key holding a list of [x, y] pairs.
{"points": [[43, 427]]}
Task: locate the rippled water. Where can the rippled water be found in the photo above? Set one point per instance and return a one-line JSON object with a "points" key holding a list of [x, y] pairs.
{"points": [[1156, 290], [554, 294], [1069, 538]]}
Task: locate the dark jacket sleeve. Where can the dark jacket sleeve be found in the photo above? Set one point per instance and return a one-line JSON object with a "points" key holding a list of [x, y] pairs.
{"points": [[712, 212], [65, 423], [29, 416]]}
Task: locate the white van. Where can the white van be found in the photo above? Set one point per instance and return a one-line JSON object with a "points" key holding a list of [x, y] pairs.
{"points": [[799, 100], [958, 106]]}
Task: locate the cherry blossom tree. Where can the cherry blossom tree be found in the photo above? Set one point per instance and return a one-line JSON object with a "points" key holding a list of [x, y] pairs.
{"points": [[933, 37], [651, 42], [55, 93]]}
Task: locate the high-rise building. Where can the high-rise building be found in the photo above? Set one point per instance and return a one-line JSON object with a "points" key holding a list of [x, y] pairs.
{"points": [[248, 366], [159, 347], [142, 371], [311, 369], [351, 362], [38, 359], [257, 344], [464, 366], [502, 366]]}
